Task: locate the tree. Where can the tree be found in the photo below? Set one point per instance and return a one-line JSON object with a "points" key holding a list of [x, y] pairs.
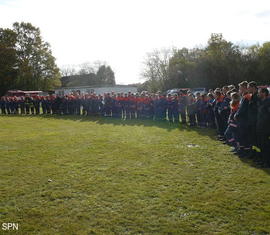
{"points": [[182, 68], [156, 69], [105, 75], [68, 70], [37, 67], [31, 58], [8, 60], [264, 63], [89, 74], [219, 63], [79, 80], [86, 68], [222, 59]]}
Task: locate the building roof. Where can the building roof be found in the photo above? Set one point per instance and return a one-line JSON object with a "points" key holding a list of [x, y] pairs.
{"points": [[94, 86], [24, 92]]}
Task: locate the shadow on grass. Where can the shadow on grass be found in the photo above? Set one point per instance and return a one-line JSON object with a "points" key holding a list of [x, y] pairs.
{"points": [[254, 164], [210, 132]]}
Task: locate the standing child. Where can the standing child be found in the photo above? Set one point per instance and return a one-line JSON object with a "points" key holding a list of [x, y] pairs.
{"points": [[231, 133]]}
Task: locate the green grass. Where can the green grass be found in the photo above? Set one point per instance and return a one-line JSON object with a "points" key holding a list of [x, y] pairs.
{"points": [[110, 176]]}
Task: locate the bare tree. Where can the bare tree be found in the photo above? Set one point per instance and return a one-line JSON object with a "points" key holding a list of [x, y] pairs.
{"points": [[68, 70], [97, 64], [86, 68], [156, 68]]}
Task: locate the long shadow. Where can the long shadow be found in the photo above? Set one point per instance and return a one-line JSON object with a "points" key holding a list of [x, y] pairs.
{"points": [[252, 163], [209, 132]]}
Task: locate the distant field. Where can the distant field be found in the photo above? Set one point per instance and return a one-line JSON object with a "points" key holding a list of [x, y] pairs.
{"points": [[75, 175]]}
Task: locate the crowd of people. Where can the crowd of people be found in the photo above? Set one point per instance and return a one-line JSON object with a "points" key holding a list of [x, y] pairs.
{"points": [[240, 114]]}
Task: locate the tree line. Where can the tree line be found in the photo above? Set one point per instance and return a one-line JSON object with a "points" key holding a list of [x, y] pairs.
{"points": [[219, 63], [98, 73], [26, 60], [27, 63]]}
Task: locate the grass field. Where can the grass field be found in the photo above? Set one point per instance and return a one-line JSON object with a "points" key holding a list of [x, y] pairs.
{"points": [[76, 175]]}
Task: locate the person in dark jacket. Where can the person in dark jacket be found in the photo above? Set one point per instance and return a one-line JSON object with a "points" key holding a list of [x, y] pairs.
{"points": [[231, 132], [21, 104], [3, 105], [116, 108], [241, 116], [191, 109], [29, 104], [183, 102], [210, 119], [225, 110], [219, 97], [199, 107], [44, 105], [252, 115], [160, 106], [36, 103], [132, 106], [172, 105], [263, 126]]}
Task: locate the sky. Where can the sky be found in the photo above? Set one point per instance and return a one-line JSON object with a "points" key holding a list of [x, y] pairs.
{"points": [[122, 32]]}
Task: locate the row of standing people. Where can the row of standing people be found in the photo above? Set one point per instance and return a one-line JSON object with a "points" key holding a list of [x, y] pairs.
{"points": [[240, 115], [244, 122], [149, 106]]}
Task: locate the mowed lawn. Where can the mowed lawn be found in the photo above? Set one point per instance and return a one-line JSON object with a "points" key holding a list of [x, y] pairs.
{"points": [[78, 175]]}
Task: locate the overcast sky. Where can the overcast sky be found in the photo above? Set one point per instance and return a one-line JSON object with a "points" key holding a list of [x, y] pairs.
{"points": [[121, 32]]}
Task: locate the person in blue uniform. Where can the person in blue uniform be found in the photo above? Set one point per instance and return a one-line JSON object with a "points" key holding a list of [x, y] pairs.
{"points": [[263, 126], [107, 105], [252, 117], [217, 111], [115, 106], [224, 111], [210, 119], [231, 133], [183, 102], [191, 110], [199, 109], [160, 105], [29, 104], [21, 104], [241, 116], [3, 105], [16, 105], [172, 104], [36, 103], [43, 104]]}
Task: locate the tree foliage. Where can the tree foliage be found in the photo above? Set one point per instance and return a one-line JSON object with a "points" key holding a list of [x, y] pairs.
{"points": [[88, 75], [219, 63], [8, 60], [26, 60], [157, 69]]}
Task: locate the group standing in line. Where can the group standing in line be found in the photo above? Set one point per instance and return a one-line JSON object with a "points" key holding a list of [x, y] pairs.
{"points": [[240, 115]]}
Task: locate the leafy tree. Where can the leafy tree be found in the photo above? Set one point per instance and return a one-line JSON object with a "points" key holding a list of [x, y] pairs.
{"points": [[8, 60], [37, 67], [68, 70], [105, 75], [264, 63], [219, 63], [30, 63], [86, 68], [79, 80], [87, 76], [156, 69]]}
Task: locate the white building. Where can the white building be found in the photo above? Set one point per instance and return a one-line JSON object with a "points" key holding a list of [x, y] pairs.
{"points": [[98, 90]]}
